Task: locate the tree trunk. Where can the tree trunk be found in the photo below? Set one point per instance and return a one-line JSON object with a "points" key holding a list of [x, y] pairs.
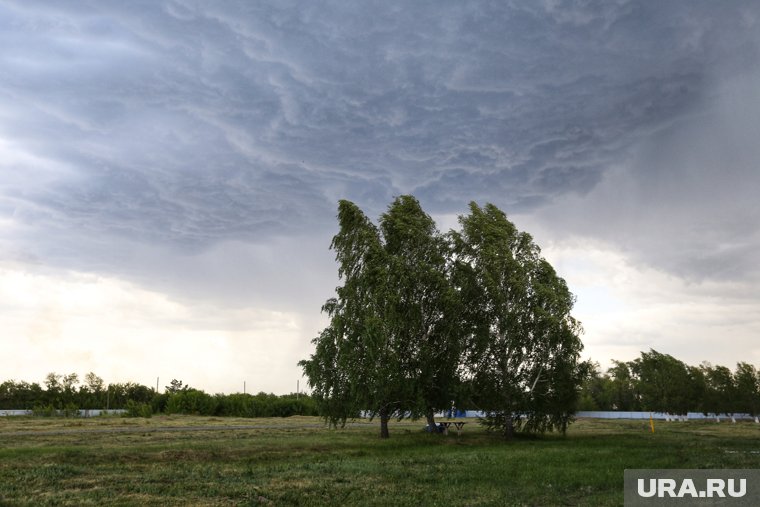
{"points": [[384, 423], [509, 427], [430, 418]]}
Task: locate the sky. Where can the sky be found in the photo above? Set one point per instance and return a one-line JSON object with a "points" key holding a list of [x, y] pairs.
{"points": [[170, 170]]}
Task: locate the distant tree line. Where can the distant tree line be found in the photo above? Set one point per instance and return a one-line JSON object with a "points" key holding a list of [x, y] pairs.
{"points": [[66, 395], [661, 383]]}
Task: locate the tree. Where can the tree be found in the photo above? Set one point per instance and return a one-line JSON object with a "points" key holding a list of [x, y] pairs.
{"points": [[623, 395], [422, 307], [93, 382], [412, 301], [747, 389], [392, 347], [175, 386], [53, 390], [20, 395], [357, 364], [91, 394], [523, 344], [327, 371], [596, 391], [697, 388], [720, 392], [664, 383]]}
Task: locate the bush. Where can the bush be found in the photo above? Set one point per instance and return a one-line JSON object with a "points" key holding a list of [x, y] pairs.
{"points": [[70, 410], [135, 409], [158, 403], [44, 410], [193, 402]]}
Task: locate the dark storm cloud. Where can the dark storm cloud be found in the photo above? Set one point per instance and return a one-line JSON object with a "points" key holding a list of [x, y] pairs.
{"points": [[686, 199], [193, 123]]}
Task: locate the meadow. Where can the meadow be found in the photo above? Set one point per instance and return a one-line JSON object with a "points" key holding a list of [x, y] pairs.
{"points": [[186, 460]]}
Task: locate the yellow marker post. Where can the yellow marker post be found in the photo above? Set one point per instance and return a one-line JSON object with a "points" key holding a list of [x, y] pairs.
{"points": [[651, 422]]}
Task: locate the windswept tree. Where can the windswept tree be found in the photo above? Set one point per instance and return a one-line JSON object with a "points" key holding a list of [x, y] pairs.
{"points": [[623, 394], [419, 315], [91, 394], [663, 382], [422, 305], [747, 385], [720, 392], [523, 343], [392, 346], [357, 364], [596, 390], [175, 386]]}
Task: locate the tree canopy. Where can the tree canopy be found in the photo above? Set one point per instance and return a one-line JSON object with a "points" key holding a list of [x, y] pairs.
{"points": [[524, 345]]}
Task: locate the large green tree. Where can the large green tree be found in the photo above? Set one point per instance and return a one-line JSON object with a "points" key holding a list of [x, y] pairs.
{"points": [[359, 363], [663, 382], [392, 346], [422, 306], [747, 385], [720, 392], [623, 390], [524, 346], [420, 315]]}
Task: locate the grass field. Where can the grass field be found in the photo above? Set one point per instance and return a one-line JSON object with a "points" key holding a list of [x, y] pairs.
{"points": [[182, 460]]}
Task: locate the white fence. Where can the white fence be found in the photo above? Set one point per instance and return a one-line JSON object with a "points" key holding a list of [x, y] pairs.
{"points": [[626, 415], [82, 413], [476, 413], [660, 415]]}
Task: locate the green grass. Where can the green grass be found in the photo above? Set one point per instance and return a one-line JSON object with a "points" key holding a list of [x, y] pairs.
{"points": [[299, 464]]}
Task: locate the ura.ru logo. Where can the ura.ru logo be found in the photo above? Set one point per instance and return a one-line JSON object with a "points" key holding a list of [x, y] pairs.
{"points": [[715, 488]]}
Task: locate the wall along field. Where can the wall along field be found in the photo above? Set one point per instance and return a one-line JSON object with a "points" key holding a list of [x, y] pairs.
{"points": [[185, 460]]}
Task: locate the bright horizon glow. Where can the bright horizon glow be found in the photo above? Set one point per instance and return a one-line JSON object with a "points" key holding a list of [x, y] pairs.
{"points": [[75, 323]]}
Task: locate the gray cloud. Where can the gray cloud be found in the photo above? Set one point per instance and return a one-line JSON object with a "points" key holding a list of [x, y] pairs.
{"points": [[188, 124], [685, 201]]}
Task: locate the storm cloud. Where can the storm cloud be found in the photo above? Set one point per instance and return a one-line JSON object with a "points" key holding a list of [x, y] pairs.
{"points": [[199, 149]]}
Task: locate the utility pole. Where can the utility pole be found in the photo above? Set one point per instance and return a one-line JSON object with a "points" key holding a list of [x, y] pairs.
{"points": [[156, 385], [298, 388], [244, 387]]}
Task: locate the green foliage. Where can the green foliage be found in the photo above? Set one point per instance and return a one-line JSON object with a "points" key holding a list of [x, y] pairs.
{"points": [[44, 411], [191, 401], [423, 310], [596, 390], [661, 383], [477, 316], [413, 301], [141, 401], [392, 346], [523, 351], [137, 409], [20, 395], [623, 394], [356, 365], [664, 383], [70, 410], [175, 386], [747, 389], [721, 392]]}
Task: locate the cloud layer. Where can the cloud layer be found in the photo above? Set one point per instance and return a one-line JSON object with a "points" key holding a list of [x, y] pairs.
{"points": [[198, 149]]}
